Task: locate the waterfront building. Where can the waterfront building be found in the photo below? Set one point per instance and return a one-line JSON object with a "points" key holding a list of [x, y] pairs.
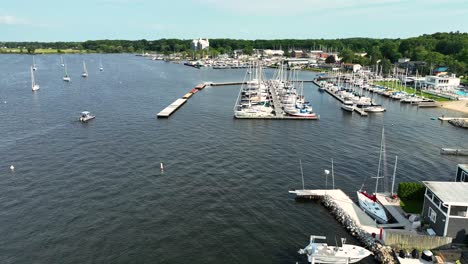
{"points": [[199, 44], [353, 67], [445, 209], [271, 53], [442, 83]]}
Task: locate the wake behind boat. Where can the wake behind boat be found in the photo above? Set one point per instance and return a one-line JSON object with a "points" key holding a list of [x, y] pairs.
{"points": [[318, 252]]}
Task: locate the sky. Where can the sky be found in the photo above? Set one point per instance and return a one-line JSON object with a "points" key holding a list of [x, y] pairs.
{"points": [[64, 20]]}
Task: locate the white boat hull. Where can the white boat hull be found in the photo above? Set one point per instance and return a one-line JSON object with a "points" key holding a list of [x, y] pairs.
{"points": [[347, 107], [66, 79], [35, 87], [372, 208]]}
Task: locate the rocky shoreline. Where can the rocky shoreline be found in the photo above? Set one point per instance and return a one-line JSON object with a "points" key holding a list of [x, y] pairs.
{"points": [[383, 254]]}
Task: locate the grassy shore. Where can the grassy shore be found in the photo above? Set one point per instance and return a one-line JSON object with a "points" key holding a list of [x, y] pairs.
{"points": [[44, 51], [316, 70], [410, 90]]}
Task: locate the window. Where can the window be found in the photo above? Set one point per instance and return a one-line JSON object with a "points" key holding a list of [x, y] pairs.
{"points": [[458, 210], [432, 215]]}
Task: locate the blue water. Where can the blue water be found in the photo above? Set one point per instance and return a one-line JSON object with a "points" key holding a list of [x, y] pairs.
{"points": [[94, 193], [462, 93]]}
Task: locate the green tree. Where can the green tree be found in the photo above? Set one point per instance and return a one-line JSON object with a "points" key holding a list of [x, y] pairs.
{"points": [[330, 59], [347, 56]]}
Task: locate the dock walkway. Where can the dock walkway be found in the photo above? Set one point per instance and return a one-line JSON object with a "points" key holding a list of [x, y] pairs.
{"points": [[364, 221], [393, 207], [356, 109], [169, 110]]}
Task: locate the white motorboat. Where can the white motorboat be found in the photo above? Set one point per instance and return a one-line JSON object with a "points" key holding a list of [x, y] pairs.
{"points": [[318, 252], [347, 106], [86, 116], [34, 85], [374, 108], [367, 201]]}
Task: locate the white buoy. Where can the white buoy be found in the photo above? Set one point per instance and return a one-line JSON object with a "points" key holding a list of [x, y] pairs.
{"points": [[12, 167]]}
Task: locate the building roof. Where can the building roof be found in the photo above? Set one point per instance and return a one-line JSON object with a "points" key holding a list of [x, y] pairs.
{"points": [[453, 193], [441, 69], [463, 166]]}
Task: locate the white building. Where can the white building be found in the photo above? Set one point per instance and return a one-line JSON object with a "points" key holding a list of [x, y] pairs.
{"points": [[269, 52], [199, 44], [443, 83]]}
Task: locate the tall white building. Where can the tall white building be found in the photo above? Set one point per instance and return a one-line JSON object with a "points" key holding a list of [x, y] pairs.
{"points": [[199, 44], [443, 83]]}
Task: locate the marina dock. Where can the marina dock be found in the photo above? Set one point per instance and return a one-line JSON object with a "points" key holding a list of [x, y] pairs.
{"points": [[356, 109], [169, 110]]}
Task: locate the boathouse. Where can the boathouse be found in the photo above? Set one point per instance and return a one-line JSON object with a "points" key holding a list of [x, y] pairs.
{"points": [[462, 173], [445, 209]]}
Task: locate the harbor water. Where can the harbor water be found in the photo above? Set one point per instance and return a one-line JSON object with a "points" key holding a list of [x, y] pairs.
{"points": [[94, 192]]}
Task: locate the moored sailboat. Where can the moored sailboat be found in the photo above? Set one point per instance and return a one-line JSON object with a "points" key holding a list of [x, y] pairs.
{"points": [[66, 78], [367, 201], [85, 71], [34, 85]]}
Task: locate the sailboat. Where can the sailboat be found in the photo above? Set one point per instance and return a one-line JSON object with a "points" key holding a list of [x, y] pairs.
{"points": [[368, 202], [34, 64], [61, 61], [66, 78], [85, 71], [34, 85], [100, 66]]}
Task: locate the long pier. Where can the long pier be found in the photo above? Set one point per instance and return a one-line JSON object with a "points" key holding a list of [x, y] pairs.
{"points": [[356, 109], [169, 110]]}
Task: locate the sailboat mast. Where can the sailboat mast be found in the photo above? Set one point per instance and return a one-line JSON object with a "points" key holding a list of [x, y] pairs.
{"points": [[394, 174], [380, 161], [32, 78], [333, 175]]}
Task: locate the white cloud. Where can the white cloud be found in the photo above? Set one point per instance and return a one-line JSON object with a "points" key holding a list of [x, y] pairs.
{"points": [[291, 7], [11, 20]]}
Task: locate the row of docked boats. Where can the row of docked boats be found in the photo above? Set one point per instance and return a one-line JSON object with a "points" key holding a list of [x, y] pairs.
{"points": [[402, 96], [279, 97], [351, 96]]}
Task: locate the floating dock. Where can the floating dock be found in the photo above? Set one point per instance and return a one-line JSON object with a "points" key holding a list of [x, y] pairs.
{"points": [[166, 112], [454, 151]]}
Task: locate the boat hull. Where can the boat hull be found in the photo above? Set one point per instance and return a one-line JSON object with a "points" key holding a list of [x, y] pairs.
{"points": [[372, 208]]}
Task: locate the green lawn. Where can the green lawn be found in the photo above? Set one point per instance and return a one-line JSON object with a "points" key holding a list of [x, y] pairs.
{"points": [[411, 206], [410, 90]]}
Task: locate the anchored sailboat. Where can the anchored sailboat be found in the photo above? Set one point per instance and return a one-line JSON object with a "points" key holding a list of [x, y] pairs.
{"points": [[100, 65], [66, 78], [34, 64], [61, 61], [34, 85], [85, 71], [368, 202]]}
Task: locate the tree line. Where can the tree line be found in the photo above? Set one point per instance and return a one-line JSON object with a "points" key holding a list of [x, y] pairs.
{"points": [[438, 49]]}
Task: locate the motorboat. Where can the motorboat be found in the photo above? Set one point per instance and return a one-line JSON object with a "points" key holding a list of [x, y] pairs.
{"points": [[319, 252], [347, 106], [374, 108], [86, 116]]}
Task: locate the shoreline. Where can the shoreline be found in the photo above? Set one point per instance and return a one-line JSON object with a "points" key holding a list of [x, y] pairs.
{"points": [[459, 106]]}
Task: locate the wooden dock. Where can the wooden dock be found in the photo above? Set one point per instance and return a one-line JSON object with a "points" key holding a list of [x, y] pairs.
{"points": [[394, 208], [364, 221], [169, 110], [446, 118], [224, 83]]}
